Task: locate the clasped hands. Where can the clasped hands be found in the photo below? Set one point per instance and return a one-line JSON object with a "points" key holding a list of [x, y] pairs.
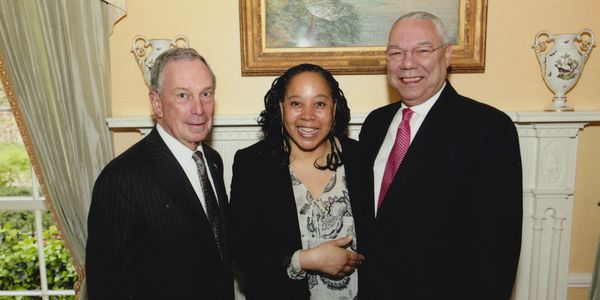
{"points": [[332, 258]]}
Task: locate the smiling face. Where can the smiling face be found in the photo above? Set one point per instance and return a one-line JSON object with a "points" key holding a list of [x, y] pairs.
{"points": [[417, 80], [307, 112], [184, 107]]}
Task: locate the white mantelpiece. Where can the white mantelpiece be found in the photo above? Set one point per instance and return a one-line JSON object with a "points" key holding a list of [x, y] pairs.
{"points": [[548, 143]]}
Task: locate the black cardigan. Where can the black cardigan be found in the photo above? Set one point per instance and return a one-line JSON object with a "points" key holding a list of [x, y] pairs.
{"points": [[265, 227]]}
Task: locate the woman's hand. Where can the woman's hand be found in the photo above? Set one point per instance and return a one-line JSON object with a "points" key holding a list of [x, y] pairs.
{"points": [[332, 258]]}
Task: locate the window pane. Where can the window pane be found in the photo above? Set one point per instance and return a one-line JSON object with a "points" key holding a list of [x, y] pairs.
{"points": [[19, 261], [15, 170], [19, 268], [59, 269], [62, 298]]}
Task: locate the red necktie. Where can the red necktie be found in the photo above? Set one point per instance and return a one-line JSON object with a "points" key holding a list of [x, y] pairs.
{"points": [[397, 154]]}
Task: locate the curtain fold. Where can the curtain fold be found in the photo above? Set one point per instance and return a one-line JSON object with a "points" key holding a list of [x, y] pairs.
{"points": [[56, 54], [595, 289]]}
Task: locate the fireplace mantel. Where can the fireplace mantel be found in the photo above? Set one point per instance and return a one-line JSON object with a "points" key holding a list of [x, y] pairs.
{"points": [[548, 143], [524, 117]]}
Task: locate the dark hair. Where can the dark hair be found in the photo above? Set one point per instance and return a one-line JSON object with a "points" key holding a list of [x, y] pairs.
{"points": [[272, 125]]}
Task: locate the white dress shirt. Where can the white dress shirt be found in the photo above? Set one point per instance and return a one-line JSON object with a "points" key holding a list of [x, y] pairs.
{"points": [[420, 112], [184, 156]]}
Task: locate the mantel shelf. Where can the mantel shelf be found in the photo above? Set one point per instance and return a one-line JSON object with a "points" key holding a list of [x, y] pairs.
{"points": [[250, 120]]}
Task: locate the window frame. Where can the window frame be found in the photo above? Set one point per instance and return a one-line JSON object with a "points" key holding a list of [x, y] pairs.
{"points": [[35, 203]]}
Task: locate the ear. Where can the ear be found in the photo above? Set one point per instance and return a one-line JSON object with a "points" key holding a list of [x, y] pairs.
{"points": [[448, 55], [156, 104]]}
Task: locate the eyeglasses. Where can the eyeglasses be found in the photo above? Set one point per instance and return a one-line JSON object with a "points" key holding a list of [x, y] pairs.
{"points": [[397, 54]]}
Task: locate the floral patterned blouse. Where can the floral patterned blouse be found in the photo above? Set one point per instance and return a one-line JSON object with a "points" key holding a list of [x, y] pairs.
{"points": [[326, 218]]}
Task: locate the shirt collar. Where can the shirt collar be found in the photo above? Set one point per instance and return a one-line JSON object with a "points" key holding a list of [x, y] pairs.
{"points": [[423, 108], [182, 153]]}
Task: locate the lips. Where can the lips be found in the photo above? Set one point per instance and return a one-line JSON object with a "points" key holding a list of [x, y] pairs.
{"points": [[198, 123]]}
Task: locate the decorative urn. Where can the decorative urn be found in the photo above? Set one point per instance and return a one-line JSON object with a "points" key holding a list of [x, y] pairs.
{"points": [[561, 58], [147, 50]]}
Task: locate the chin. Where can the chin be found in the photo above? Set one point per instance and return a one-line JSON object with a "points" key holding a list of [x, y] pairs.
{"points": [[311, 146], [308, 148], [198, 137]]}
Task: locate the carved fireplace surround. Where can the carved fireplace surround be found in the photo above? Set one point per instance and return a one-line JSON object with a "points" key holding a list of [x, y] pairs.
{"points": [[548, 143]]}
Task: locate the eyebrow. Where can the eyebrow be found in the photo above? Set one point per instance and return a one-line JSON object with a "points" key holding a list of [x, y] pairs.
{"points": [[316, 96], [421, 44], [185, 88]]}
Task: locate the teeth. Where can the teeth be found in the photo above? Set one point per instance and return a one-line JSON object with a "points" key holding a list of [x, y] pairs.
{"points": [[411, 79], [306, 129]]}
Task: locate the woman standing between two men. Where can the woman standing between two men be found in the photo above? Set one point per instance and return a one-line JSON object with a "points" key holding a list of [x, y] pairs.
{"points": [[299, 203]]}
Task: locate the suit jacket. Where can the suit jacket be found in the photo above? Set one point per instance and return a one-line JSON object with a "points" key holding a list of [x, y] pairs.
{"points": [[148, 235], [450, 224], [265, 226]]}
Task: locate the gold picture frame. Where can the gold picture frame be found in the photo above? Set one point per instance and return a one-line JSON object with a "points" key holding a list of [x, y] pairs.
{"points": [[260, 60]]}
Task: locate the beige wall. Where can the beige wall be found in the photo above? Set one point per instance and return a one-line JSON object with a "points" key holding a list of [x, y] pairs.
{"points": [[511, 82]]}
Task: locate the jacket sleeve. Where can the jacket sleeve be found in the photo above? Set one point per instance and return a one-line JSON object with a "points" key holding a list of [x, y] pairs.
{"points": [[497, 197], [111, 237]]}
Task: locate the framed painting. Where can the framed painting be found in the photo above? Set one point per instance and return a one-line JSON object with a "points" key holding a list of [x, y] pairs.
{"points": [[349, 36]]}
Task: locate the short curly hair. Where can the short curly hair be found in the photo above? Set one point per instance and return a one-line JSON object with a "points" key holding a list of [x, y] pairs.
{"points": [[271, 122]]}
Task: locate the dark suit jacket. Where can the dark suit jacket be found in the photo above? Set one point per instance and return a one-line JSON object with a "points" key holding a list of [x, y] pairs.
{"points": [[450, 224], [148, 235], [265, 225]]}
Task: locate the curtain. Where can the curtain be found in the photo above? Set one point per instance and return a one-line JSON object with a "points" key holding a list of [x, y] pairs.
{"points": [[56, 56], [595, 290]]}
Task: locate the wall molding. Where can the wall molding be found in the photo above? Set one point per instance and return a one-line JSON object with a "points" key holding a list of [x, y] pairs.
{"points": [[580, 280]]}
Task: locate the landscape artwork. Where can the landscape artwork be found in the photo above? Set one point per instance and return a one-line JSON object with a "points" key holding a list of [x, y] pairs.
{"points": [[345, 23]]}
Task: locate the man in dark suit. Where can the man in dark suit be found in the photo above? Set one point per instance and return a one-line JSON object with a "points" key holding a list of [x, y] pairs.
{"points": [[447, 179], [156, 226]]}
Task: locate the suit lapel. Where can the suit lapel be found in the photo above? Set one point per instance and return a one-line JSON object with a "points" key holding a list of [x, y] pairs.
{"points": [[433, 135], [171, 176]]}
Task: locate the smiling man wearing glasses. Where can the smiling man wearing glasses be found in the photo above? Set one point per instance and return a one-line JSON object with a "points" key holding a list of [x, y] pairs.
{"points": [[446, 179]]}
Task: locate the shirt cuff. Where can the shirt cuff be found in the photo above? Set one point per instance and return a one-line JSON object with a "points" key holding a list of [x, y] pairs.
{"points": [[294, 270]]}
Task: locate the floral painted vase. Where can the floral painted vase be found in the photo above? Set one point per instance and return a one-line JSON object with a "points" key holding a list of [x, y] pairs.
{"points": [[562, 62]]}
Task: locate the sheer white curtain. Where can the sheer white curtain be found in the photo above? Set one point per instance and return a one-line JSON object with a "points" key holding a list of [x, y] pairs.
{"points": [[57, 58]]}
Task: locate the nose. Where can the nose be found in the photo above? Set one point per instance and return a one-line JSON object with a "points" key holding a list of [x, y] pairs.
{"points": [[408, 61], [307, 113], [197, 107]]}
